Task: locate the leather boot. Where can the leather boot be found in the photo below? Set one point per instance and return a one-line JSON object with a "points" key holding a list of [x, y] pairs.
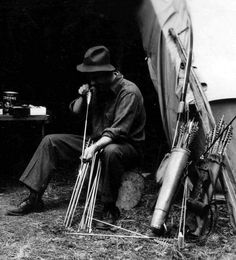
{"points": [[110, 215], [33, 203]]}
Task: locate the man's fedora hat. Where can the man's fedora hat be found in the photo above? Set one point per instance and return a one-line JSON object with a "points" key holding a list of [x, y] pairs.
{"points": [[96, 59]]}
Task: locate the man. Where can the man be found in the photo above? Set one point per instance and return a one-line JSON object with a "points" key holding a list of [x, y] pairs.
{"points": [[117, 119]]}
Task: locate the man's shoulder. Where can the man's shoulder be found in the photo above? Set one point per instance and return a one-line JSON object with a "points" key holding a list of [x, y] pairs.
{"points": [[130, 87]]}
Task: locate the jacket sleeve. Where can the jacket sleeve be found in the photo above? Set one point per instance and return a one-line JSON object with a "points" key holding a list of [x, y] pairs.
{"points": [[124, 117], [80, 106]]}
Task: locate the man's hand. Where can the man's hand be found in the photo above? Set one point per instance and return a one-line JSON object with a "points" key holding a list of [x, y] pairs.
{"points": [[89, 153], [92, 149], [83, 90]]}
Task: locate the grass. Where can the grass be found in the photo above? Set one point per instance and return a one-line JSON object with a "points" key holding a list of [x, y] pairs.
{"points": [[42, 235]]}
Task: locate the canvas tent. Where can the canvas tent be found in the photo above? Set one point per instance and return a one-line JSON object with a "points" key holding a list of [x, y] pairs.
{"points": [[214, 59]]}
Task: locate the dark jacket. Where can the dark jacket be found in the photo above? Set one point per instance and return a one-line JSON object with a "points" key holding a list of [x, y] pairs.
{"points": [[119, 114]]}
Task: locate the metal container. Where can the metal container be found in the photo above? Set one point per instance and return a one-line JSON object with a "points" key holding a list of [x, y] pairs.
{"points": [[176, 163], [9, 100]]}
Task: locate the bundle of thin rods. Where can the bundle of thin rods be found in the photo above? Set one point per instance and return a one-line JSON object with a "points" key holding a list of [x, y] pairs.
{"points": [[94, 170], [187, 132], [218, 138], [87, 217]]}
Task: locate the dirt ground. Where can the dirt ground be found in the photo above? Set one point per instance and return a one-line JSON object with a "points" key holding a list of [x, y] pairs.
{"points": [[42, 236]]}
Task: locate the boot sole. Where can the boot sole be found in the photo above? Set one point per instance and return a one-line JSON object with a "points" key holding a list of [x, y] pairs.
{"points": [[10, 213]]}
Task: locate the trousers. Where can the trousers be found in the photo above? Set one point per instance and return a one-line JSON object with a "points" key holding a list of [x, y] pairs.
{"points": [[64, 150]]}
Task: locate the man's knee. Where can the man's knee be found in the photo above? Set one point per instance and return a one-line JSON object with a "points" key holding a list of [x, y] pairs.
{"points": [[112, 151], [52, 139]]}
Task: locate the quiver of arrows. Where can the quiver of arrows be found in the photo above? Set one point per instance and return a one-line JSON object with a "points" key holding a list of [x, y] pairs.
{"points": [[208, 169], [170, 172]]}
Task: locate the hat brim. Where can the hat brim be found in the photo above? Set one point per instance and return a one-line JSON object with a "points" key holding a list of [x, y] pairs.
{"points": [[85, 68]]}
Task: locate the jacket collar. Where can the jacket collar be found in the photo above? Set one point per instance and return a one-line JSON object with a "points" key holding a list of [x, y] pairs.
{"points": [[116, 85]]}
